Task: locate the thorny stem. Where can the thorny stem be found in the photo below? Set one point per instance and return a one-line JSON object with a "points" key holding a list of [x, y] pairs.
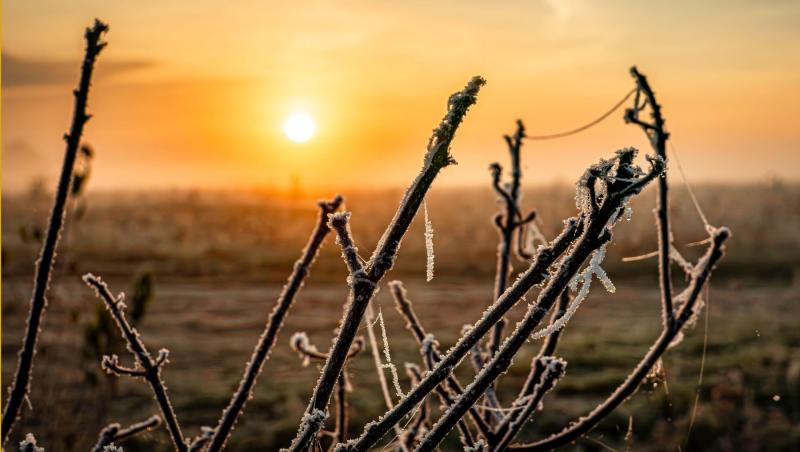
{"points": [[113, 433], [406, 309], [596, 234], [658, 139], [536, 273], [151, 367], [535, 375], [584, 424], [269, 336], [364, 286], [44, 266]]}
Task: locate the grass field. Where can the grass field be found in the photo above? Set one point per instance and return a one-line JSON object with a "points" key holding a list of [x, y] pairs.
{"points": [[220, 259]]}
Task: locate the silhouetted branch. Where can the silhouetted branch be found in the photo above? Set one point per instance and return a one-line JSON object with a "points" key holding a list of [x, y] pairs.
{"points": [[273, 326], [596, 234], [300, 343], [451, 384], [552, 369], [700, 276], [537, 273], [658, 138], [150, 367], [535, 374], [507, 224], [428, 350], [113, 433], [409, 437], [382, 260], [44, 265]]}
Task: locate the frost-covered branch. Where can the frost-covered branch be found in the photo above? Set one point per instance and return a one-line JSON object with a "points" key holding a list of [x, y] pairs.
{"points": [[47, 257], [536, 273], [425, 341], [658, 139], [307, 351], [428, 350], [535, 374], [508, 224], [619, 176], [700, 276], [420, 424], [113, 433], [551, 370], [274, 324], [363, 288], [149, 367]]}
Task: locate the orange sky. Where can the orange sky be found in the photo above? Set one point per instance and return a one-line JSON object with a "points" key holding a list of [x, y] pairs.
{"points": [[193, 94]]}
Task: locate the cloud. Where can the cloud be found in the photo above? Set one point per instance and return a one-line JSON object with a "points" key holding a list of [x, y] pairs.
{"points": [[23, 71]]}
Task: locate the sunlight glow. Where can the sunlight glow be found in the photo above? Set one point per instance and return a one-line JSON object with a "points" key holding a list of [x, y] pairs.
{"points": [[299, 127]]}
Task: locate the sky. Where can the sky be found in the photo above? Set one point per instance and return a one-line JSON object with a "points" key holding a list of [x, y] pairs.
{"points": [[194, 94]]}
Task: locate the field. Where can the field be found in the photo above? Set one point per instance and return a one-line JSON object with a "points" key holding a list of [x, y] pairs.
{"points": [[219, 260]]}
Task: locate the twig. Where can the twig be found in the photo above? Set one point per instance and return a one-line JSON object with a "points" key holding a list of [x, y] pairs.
{"points": [[301, 345], [409, 437], [552, 369], [597, 233], [151, 368], [113, 433], [428, 350], [535, 274], [273, 326], [451, 384], [535, 374], [700, 276], [44, 265], [658, 138], [507, 224], [365, 283]]}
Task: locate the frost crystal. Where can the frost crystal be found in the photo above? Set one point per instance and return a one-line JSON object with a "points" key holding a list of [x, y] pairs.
{"points": [[534, 235], [428, 243], [389, 365], [29, 444], [585, 279]]}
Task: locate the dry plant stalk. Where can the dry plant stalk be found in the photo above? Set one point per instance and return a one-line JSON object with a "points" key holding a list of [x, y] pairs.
{"points": [[274, 324], [364, 282], [146, 366], [47, 257], [308, 352], [113, 433]]}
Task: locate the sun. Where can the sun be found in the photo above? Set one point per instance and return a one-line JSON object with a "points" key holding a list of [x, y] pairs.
{"points": [[299, 127]]}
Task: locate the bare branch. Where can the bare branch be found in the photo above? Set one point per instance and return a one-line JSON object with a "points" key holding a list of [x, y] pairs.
{"points": [[537, 273], [658, 138], [47, 257], [552, 369], [382, 260], [269, 336], [451, 384], [700, 276], [596, 234], [113, 433], [151, 367], [535, 374]]}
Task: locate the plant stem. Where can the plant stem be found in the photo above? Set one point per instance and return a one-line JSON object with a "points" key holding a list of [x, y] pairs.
{"points": [[272, 328], [44, 265]]}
